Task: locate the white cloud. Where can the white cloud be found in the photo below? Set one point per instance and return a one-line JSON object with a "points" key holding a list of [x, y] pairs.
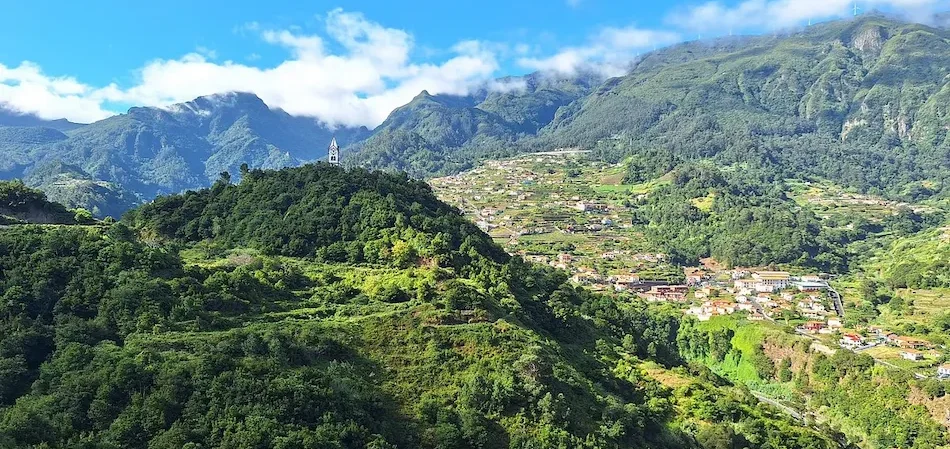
{"points": [[302, 47], [777, 14], [359, 85], [507, 85], [27, 89], [608, 51], [574, 3]]}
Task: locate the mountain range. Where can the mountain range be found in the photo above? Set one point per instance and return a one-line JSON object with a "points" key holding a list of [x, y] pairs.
{"points": [[112, 164], [861, 100]]}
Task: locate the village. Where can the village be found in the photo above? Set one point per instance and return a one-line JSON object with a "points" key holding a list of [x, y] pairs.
{"points": [[808, 302], [571, 214]]}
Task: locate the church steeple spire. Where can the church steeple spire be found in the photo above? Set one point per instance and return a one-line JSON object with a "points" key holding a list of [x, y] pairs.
{"points": [[334, 153]]}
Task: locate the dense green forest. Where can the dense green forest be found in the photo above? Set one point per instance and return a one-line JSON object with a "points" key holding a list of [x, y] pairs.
{"points": [[363, 314], [745, 218], [748, 224]]}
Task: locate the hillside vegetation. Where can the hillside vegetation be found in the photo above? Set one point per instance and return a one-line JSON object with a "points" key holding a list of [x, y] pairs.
{"points": [[446, 134], [365, 314], [846, 389], [916, 261], [854, 100]]}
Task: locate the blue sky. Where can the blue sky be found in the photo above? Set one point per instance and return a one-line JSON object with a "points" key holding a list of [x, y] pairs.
{"points": [[345, 64], [108, 40]]}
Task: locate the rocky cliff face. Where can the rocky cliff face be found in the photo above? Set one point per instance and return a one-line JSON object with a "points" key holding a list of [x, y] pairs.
{"points": [[870, 39]]}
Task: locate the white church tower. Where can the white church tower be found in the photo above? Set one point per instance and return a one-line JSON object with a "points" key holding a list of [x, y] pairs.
{"points": [[334, 156]]}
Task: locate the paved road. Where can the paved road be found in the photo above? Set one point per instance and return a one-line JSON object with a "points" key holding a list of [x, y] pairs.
{"points": [[836, 298], [760, 309]]}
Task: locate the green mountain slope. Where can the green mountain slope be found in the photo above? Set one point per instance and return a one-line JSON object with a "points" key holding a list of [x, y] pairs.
{"points": [[361, 313], [442, 133], [74, 188], [533, 100], [21, 204], [920, 260], [854, 100], [19, 145]]}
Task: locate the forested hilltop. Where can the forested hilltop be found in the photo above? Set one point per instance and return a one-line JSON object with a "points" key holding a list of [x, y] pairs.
{"points": [[318, 307]]}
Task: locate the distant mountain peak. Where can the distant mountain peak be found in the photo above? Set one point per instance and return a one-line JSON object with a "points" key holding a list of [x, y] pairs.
{"points": [[9, 116]]}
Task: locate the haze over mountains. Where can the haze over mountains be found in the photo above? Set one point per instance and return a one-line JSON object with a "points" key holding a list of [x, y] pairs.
{"points": [[862, 99]]}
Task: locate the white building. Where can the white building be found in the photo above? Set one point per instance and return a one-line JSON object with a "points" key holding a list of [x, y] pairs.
{"points": [[770, 281]]}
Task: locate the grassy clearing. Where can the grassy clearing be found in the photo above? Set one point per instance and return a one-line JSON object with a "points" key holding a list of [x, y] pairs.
{"points": [[893, 355], [669, 378], [705, 203]]}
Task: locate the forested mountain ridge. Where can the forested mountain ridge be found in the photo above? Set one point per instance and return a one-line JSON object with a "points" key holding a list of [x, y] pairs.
{"points": [[364, 313], [323, 212], [70, 185], [151, 151], [20, 204]]}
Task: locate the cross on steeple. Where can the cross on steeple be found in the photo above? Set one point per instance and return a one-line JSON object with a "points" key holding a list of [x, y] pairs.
{"points": [[334, 153]]}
